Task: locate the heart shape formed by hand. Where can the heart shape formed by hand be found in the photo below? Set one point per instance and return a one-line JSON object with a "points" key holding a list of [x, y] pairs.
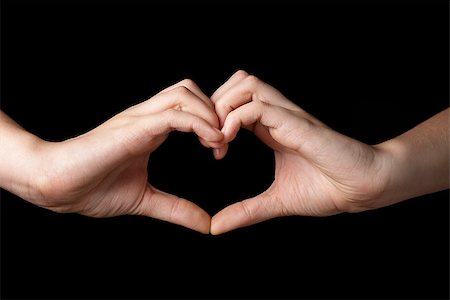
{"points": [[193, 173], [317, 172]]}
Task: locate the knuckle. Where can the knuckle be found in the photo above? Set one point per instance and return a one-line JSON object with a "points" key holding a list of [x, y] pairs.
{"points": [[222, 106], [181, 91], [253, 81], [178, 106], [232, 117], [241, 74], [188, 83]]}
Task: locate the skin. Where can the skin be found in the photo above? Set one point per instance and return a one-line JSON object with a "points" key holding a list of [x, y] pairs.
{"points": [[103, 173], [318, 171]]}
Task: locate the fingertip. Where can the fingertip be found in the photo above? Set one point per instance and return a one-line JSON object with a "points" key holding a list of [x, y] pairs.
{"points": [[216, 227], [214, 231], [205, 226], [224, 221], [216, 153], [220, 153], [203, 223], [223, 151], [216, 135]]}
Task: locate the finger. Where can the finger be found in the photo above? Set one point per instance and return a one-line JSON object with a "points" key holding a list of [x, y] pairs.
{"points": [[235, 78], [245, 115], [220, 152], [245, 213], [164, 123], [272, 117], [218, 148], [163, 206], [250, 89], [145, 133], [209, 144], [240, 93], [193, 87], [250, 114], [180, 98], [277, 126]]}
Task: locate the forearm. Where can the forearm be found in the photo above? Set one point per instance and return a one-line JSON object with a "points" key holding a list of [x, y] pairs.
{"points": [[418, 160], [18, 159]]}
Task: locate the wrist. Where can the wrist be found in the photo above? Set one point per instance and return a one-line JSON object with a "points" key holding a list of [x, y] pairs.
{"points": [[40, 171], [372, 188], [393, 167], [21, 165]]}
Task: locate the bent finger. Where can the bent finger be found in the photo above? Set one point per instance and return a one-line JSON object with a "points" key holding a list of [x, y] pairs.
{"points": [[284, 126], [193, 87], [164, 123], [250, 89], [209, 144], [220, 152], [179, 98], [235, 78], [244, 116], [219, 149]]}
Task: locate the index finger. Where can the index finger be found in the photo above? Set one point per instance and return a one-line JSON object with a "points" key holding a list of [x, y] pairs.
{"points": [[193, 87], [235, 78]]}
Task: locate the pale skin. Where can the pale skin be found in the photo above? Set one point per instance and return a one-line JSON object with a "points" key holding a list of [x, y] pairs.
{"points": [[103, 172], [318, 172]]}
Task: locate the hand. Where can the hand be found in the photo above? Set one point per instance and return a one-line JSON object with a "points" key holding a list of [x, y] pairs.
{"points": [[318, 172], [104, 172]]}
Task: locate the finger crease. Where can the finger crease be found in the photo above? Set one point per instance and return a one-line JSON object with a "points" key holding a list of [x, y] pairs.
{"points": [[174, 209], [247, 210]]}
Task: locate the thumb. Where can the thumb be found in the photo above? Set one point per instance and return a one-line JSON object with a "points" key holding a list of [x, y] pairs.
{"points": [[163, 206], [247, 212]]}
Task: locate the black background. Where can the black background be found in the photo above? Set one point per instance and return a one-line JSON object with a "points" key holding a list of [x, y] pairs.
{"points": [[370, 70]]}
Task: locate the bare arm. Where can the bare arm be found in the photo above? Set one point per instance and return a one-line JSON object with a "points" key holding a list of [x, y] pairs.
{"points": [[318, 171], [103, 172], [418, 160], [18, 164]]}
